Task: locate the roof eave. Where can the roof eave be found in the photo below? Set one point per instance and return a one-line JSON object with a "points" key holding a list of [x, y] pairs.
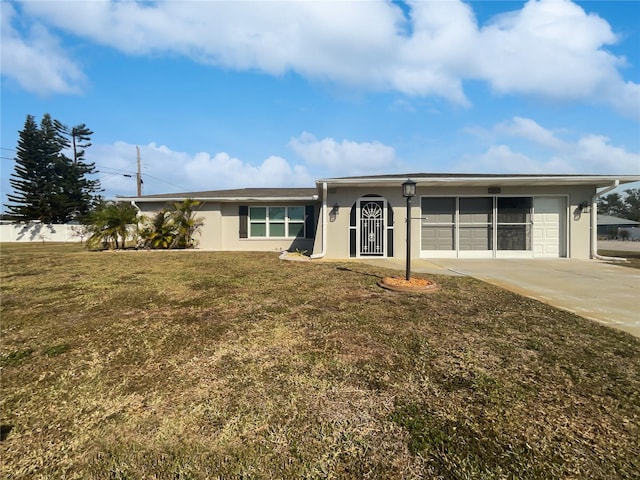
{"points": [[313, 198], [595, 180]]}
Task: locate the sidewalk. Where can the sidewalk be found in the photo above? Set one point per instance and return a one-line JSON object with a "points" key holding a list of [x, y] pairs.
{"points": [[619, 245]]}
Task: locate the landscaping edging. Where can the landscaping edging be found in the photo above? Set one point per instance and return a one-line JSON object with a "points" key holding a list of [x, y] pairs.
{"points": [[417, 285]]}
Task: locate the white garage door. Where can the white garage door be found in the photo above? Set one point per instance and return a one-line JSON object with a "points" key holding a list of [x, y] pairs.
{"points": [[548, 226]]}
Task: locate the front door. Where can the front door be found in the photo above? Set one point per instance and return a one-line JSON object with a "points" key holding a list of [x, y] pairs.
{"points": [[372, 228]]}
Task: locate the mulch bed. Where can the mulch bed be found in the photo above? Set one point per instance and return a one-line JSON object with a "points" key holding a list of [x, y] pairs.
{"points": [[399, 284]]}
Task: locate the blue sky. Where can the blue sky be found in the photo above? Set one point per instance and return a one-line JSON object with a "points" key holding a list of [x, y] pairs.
{"points": [[269, 94]]}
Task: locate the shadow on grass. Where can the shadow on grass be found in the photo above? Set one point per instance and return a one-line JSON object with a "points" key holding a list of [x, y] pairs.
{"points": [[345, 269], [4, 431]]}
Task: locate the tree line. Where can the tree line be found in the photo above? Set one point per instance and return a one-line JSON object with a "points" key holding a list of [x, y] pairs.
{"points": [[52, 178], [52, 184], [622, 206]]}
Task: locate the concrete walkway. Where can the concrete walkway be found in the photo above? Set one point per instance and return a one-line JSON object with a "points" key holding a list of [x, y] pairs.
{"points": [[606, 293]]}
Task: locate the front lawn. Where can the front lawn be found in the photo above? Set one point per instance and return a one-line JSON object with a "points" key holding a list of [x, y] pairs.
{"points": [[633, 258], [201, 365]]}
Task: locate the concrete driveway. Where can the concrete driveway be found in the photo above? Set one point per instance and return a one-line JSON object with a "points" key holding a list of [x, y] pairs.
{"points": [[603, 292]]}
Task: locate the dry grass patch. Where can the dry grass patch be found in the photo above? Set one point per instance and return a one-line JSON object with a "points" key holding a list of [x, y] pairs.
{"points": [[633, 258], [238, 365]]}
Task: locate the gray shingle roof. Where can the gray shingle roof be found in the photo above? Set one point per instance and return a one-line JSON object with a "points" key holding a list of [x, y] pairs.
{"points": [[238, 193], [610, 220]]}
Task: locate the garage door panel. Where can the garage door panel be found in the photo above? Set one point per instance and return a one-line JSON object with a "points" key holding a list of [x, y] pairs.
{"points": [[548, 226], [437, 238]]}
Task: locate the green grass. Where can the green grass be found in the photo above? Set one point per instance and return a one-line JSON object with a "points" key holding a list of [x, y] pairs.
{"points": [[201, 365]]}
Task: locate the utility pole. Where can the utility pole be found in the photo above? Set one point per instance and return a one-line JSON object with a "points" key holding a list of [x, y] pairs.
{"points": [[139, 174]]}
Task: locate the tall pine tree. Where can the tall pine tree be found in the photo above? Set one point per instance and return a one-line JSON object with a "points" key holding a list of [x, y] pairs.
{"points": [[49, 185], [53, 146], [77, 191], [82, 189], [30, 181]]}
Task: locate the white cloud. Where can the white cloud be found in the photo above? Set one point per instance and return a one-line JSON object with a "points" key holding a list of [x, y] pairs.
{"points": [[345, 157], [553, 49], [501, 159], [546, 152], [435, 58], [530, 130], [221, 169], [36, 61], [165, 170], [549, 48], [595, 153]]}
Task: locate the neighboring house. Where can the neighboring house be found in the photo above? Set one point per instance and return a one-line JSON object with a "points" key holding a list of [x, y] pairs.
{"points": [[452, 215], [610, 227]]}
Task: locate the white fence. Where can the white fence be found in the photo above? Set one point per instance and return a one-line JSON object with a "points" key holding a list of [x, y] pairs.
{"points": [[42, 232]]}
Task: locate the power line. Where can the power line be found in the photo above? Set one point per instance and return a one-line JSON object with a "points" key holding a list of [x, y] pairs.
{"points": [[113, 170], [116, 170], [113, 173], [168, 183]]}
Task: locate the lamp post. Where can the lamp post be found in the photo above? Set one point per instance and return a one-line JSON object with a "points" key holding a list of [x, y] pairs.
{"points": [[408, 191]]}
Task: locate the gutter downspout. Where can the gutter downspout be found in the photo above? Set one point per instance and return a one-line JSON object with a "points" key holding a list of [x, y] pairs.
{"points": [[135, 205], [594, 225], [138, 215], [323, 252]]}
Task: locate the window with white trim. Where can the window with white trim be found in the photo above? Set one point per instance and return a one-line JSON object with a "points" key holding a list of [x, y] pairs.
{"points": [[276, 222]]}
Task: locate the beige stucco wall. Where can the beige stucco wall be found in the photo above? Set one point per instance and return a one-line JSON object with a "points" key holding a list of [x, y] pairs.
{"points": [[341, 199], [220, 230], [230, 238], [221, 223]]}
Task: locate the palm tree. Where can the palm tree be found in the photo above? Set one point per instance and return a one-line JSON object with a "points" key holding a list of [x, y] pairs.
{"points": [[159, 232], [110, 222], [185, 223]]}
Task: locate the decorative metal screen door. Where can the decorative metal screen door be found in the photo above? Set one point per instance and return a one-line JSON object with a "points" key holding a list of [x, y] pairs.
{"points": [[372, 228]]}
